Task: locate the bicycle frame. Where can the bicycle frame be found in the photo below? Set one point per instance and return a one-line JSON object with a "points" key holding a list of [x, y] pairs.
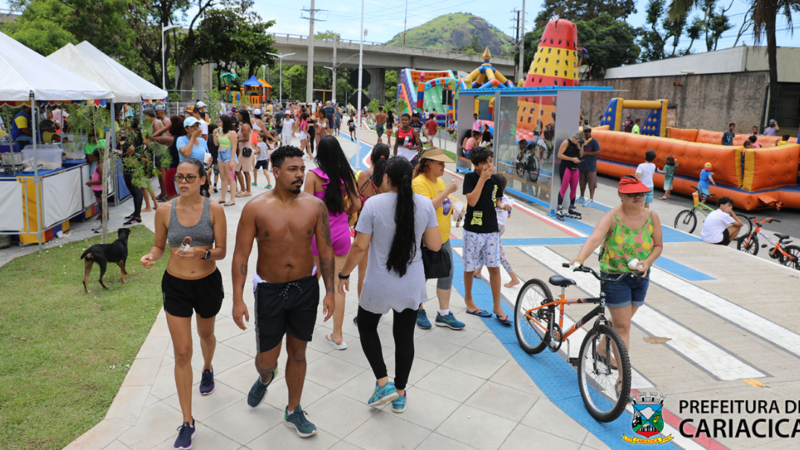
{"points": [[562, 302], [757, 231]]}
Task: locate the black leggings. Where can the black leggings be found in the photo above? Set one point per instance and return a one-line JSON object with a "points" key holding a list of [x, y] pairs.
{"points": [[311, 133], [136, 192], [403, 330]]}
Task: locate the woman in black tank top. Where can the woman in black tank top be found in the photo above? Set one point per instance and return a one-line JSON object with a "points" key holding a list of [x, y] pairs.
{"points": [[195, 230]]}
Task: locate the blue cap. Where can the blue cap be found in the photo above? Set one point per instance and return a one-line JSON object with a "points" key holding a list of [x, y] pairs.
{"points": [[189, 121]]}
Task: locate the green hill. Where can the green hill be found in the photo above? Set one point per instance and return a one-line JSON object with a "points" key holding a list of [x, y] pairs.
{"points": [[458, 31]]}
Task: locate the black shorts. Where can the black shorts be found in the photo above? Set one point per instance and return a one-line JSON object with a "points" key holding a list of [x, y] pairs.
{"points": [[285, 307], [262, 164], [203, 295], [726, 238]]}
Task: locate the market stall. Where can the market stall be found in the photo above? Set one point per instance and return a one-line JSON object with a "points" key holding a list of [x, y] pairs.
{"points": [[36, 201]]}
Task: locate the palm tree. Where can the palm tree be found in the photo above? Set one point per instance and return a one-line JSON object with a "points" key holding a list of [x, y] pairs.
{"points": [[765, 17]]}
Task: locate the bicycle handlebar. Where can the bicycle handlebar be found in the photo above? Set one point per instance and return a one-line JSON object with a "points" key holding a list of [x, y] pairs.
{"points": [[585, 269]]}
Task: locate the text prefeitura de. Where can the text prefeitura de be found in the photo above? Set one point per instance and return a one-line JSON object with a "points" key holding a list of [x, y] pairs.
{"points": [[738, 407]]}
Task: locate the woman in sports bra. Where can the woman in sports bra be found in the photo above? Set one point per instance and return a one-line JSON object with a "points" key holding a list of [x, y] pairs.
{"points": [[191, 283], [321, 126], [407, 144], [226, 139], [331, 181], [368, 182], [304, 134]]}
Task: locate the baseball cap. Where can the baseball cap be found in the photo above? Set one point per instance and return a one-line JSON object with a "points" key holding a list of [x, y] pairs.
{"points": [[189, 121], [771, 120], [160, 107], [708, 166], [435, 154], [587, 128], [201, 105], [191, 109], [631, 185], [579, 137], [257, 112]]}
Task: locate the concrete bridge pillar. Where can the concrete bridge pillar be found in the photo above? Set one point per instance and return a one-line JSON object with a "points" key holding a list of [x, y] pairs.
{"points": [[377, 86]]}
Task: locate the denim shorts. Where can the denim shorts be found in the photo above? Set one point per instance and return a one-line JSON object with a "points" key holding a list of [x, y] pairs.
{"points": [[648, 198], [630, 291], [224, 155]]}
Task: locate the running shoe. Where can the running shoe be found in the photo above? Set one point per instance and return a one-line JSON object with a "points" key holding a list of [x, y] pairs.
{"points": [[259, 390], [399, 404], [207, 382], [422, 320], [588, 202], [133, 221], [186, 433], [298, 421], [580, 200], [448, 321], [383, 395], [255, 184], [269, 186]]}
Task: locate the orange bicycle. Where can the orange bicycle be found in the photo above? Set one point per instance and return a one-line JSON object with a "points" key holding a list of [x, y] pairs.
{"points": [[788, 255], [604, 382]]}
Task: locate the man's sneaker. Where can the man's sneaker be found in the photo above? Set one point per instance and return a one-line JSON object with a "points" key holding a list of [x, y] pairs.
{"points": [[259, 389], [298, 421], [422, 320], [207, 382], [588, 202], [186, 433], [580, 200], [399, 404], [383, 395], [448, 321]]}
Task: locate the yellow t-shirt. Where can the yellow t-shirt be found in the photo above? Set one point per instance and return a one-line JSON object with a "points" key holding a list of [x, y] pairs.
{"points": [[423, 186], [21, 121], [48, 137]]}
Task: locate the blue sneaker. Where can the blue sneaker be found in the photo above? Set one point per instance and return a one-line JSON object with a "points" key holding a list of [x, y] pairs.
{"points": [[580, 200], [588, 202], [448, 321], [207, 382], [259, 389], [186, 433], [399, 404], [298, 421], [422, 320], [383, 395]]}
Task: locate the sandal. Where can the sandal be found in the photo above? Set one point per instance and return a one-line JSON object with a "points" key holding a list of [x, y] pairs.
{"points": [[504, 320], [221, 201], [229, 204], [480, 313], [603, 359]]}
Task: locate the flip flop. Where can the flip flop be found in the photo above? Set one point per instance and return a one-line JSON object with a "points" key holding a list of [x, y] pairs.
{"points": [[505, 321], [603, 359], [221, 201], [228, 204], [479, 313], [342, 346]]}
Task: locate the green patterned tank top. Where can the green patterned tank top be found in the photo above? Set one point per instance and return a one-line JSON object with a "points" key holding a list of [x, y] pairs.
{"points": [[625, 244]]}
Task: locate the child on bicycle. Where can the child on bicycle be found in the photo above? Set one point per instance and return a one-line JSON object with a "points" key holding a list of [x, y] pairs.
{"points": [[669, 175], [706, 177]]}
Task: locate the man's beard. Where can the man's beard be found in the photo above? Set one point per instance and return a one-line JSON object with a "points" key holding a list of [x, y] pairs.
{"points": [[296, 190]]}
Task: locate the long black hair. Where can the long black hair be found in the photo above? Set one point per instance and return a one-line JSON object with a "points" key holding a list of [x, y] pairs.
{"points": [[379, 156], [245, 117], [331, 160], [404, 244], [227, 123]]}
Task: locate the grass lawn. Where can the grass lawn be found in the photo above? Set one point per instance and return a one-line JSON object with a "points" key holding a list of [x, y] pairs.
{"points": [[63, 352]]}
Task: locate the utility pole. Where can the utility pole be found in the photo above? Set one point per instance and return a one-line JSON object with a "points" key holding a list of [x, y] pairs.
{"points": [[405, 22], [522, 45], [311, 39], [360, 84], [333, 94], [515, 29]]}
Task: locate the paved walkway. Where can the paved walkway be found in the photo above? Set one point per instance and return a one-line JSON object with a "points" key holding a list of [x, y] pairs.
{"points": [[729, 324]]}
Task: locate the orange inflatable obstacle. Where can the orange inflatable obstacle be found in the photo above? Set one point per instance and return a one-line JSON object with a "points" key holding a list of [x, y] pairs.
{"points": [[753, 178]]}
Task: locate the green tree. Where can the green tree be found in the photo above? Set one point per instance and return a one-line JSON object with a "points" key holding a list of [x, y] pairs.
{"points": [[326, 35], [610, 43], [576, 10], [39, 27], [659, 31]]}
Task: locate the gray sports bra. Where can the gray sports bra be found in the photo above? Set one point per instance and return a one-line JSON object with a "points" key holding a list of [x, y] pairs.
{"points": [[202, 233]]}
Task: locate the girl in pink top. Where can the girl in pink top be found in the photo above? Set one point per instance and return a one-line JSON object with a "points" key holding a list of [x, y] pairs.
{"points": [[334, 183]]}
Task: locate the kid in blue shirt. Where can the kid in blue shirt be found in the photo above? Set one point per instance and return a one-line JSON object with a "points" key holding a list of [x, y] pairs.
{"points": [[706, 177]]}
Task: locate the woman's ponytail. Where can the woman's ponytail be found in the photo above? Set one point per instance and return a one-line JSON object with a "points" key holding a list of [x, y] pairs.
{"points": [[404, 244]]}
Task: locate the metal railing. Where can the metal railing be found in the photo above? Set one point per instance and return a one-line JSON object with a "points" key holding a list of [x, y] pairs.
{"points": [[444, 52]]}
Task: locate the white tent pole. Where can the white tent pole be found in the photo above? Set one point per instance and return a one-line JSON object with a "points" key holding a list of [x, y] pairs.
{"points": [[106, 171], [36, 181]]}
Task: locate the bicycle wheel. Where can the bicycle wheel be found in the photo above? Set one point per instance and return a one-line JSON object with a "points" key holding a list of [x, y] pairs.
{"points": [[533, 173], [532, 333], [605, 383], [749, 245], [686, 220], [748, 224], [793, 260]]}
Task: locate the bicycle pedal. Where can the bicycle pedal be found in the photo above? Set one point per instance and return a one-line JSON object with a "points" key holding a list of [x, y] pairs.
{"points": [[763, 245], [573, 361]]}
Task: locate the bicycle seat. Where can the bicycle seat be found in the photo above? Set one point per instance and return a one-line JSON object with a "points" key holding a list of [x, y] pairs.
{"points": [[782, 236], [558, 280]]}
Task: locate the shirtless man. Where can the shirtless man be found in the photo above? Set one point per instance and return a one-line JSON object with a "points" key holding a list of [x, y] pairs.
{"points": [[283, 221], [380, 120]]}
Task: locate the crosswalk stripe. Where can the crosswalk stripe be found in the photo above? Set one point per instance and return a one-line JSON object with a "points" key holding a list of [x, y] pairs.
{"points": [[706, 355], [509, 295]]}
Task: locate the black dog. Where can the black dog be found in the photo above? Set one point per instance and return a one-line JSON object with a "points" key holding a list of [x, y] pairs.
{"points": [[115, 252]]}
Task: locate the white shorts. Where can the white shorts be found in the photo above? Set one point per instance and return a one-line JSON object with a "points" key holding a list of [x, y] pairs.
{"points": [[481, 249], [286, 139], [303, 136]]}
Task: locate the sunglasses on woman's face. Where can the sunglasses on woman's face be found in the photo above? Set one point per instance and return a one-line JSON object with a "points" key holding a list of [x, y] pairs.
{"points": [[634, 195], [189, 178]]}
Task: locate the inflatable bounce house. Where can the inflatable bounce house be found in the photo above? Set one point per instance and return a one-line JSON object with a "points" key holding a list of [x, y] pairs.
{"points": [[555, 63], [654, 125], [423, 91], [485, 77]]}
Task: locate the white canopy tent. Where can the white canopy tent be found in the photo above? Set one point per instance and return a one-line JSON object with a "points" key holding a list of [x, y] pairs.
{"points": [[147, 90], [28, 77], [98, 71]]}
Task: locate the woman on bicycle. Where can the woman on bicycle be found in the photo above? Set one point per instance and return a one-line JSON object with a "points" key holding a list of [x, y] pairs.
{"points": [[628, 233]]}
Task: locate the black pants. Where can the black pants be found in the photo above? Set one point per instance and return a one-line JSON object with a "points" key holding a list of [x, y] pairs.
{"points": [[136, 192], [311, 134], [403, 330]]}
